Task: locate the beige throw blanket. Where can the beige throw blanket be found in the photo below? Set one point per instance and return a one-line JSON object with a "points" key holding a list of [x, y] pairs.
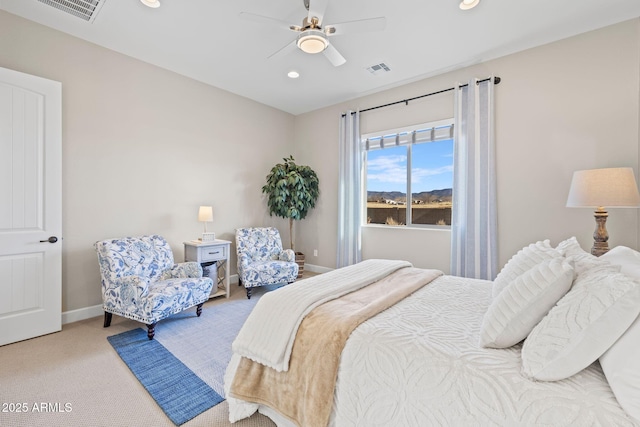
{"points": [[268, 333], [304, 393]]}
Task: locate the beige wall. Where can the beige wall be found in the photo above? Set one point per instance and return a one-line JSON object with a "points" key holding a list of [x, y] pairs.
{"points": [[143, 148], [562, 107]]}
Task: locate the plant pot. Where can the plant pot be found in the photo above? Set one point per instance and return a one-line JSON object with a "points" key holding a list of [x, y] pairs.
{"points": [[300, 262]]}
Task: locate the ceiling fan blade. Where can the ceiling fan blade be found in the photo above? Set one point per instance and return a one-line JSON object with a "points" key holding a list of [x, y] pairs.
{"points": [[317, 9], [334, 56], [361, 26], [288, 48], [267, 20]]}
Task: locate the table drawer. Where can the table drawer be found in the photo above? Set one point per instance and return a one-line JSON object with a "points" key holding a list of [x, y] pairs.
{"points": [[212, 253]]}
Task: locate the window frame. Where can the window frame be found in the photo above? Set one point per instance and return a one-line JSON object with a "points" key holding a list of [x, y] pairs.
{"points": [[389, 134]]}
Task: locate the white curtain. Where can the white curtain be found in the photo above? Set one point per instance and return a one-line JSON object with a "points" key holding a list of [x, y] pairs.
{"points": [[473, 220], [349, 191]]}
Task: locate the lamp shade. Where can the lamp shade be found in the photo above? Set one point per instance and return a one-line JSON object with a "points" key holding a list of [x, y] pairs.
{"points": [[205, 214], [610, 187]]}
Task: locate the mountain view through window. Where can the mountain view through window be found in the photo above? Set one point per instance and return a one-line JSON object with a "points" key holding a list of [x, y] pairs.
{"points": [[430, 181]]}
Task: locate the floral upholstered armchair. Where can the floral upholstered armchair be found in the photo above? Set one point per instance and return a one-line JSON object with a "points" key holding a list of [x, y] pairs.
{"points": [[141, 282], [261, 259]]}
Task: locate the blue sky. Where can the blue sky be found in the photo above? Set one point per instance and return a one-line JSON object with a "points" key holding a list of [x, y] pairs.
{"points": [[432, 167]]}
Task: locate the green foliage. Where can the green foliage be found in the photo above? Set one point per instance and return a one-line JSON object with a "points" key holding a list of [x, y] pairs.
{"points": [[292, 190]]}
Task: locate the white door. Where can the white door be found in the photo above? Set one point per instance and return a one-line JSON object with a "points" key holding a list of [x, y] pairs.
{"points": [[30, 206]]}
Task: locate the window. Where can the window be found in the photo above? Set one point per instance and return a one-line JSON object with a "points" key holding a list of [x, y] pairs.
{"points": [[409, 167]]}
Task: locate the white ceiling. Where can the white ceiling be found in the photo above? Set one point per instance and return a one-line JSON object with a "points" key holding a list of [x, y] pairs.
{"points": [[207, 41]]}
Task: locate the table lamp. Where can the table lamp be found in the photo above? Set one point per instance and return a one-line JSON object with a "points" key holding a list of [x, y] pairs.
{"points": [[601, 189], [205, 214]]}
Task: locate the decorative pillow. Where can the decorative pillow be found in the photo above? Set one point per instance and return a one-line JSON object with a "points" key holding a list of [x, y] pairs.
{"points": [[571, 247], [525, 259], [583, 260], [598, 309], [524, 302], [621, 363], [621, 366], [626, 258]]}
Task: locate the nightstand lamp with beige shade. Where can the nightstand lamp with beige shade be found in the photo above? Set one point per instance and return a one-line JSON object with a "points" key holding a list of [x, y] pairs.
{"points": [[601, 189], [205, 214]]}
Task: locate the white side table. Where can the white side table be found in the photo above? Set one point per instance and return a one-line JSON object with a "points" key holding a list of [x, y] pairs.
{"points": [[216, 251]]}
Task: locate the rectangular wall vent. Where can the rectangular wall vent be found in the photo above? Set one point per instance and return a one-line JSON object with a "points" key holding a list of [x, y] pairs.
{"points": [[379, 68], [83, 9]]}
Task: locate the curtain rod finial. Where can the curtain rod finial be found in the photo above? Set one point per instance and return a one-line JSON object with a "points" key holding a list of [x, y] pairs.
{"points": [[496, 80]]}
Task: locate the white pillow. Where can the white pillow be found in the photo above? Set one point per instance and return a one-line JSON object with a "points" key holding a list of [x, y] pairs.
{"points": [[626, 258], [524, 302], [597, 310], [621, 366], [621, 363], [525, 259], [571, 247], [583, 260]]}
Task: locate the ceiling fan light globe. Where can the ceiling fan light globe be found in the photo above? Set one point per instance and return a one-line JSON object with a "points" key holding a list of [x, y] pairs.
{"points": [[312, 42], [468, 4], [151, 3]]}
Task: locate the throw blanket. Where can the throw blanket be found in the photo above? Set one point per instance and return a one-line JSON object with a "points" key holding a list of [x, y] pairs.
{"points": [[268, 334], [304, 393]]}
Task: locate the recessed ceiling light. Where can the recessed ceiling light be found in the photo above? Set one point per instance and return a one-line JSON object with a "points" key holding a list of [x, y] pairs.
{"points": [[293, 74], [468, 4], [151, 3]]}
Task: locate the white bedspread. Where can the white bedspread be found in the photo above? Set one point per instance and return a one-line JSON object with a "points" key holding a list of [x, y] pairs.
{"points": [[267, 335], [419, 364]]}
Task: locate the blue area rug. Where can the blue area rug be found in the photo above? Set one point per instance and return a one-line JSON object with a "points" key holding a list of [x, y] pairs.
{"points": [[183, 367], [165, 377]]}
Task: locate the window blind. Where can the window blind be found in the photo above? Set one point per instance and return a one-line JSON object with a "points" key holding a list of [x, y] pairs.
{"points": [[413, 135]]}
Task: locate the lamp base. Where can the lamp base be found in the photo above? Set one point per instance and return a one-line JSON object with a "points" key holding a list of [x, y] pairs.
{"points": [[600, 236]]}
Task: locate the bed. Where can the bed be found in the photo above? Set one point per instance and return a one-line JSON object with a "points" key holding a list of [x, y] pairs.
{"points": [[419, 362]]}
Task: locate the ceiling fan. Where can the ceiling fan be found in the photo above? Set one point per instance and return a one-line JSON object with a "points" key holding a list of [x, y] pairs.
{"points": [[313, 35]]}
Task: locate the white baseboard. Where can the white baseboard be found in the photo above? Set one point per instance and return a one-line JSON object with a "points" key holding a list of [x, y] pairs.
{"points": [[317, 268], [82, 314]]}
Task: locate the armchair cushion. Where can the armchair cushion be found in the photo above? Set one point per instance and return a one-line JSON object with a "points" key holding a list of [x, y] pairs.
{"points": [[269, 273], [183, 270], [287, 255], [125, 293]]}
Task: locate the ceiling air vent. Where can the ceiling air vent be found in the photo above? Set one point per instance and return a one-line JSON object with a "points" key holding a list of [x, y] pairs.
{"points": [[84, 9], [379, 68]]}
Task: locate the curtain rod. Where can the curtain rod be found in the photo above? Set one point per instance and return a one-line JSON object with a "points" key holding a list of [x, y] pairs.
{"points": [[496, 80]]}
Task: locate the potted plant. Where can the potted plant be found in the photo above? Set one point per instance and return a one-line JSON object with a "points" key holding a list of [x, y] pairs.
{"points": [[292, 191]]}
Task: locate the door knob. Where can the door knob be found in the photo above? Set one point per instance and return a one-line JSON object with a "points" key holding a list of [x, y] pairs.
{"points": [[51, 239]]}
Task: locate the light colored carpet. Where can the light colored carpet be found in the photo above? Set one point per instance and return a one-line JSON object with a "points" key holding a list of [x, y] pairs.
{"points": [[82, 381]]}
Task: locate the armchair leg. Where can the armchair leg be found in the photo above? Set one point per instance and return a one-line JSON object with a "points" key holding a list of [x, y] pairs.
{"points": [[107, 319], [239, 282], [151, 330], [199, 309], [249, 293]]}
